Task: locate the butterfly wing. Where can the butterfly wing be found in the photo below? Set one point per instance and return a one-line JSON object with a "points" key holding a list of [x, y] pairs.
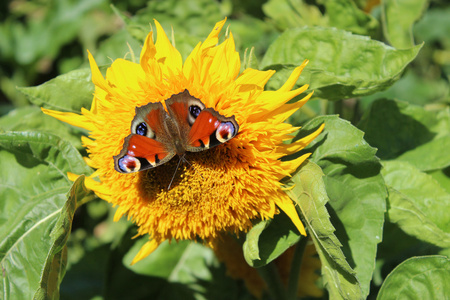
{"points": [[200, 128], [149, 144]]}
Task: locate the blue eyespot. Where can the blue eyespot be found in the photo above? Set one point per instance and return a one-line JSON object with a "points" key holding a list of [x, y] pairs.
{"points": [[141, 129], [194, 110]]}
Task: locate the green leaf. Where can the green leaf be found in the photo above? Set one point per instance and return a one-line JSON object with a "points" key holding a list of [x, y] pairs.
{"points": [[310, 195], [442, 177], [56, 261], [341, 65], [409, 133], [413, 89], [293, 13], [356, 190], [269, 239], [430, 156], [344, 14], [35, 215], [69, 92], [31, 118], [417, 203], [399, 17], [426, 277]]}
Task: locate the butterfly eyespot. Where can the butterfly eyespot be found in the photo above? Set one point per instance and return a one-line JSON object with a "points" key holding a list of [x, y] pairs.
{"points": [[194, 111], [141, 129], [225, 132], [128, 164]]}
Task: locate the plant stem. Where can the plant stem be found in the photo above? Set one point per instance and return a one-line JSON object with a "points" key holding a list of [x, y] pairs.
{"points": [[272, 278], [295, 268]]}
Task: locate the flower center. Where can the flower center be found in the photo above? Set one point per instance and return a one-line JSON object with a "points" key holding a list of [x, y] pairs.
{"points": [[198, 176]]}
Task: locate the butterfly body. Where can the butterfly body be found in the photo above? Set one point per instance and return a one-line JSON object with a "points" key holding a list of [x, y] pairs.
{"points": [[157, 136]]}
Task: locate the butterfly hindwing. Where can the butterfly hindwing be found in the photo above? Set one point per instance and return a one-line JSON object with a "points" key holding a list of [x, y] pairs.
{"points": [[147, 146]]}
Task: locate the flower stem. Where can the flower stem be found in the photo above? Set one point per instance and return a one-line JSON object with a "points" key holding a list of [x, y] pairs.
{"points": [[295, 268], [272, 278]]}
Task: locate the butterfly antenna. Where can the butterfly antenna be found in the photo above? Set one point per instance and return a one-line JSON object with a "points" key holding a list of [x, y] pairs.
{"points": [[176, 170], [186, 161]]}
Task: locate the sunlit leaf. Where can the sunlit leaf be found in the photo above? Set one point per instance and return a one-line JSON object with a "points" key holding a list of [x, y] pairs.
{"points": [[68, 92], [310, 195], [356, 190], [425, 277], [31, 118], [341, 65], [417, 203], [36, 216], [409, 133], [399, 17]]}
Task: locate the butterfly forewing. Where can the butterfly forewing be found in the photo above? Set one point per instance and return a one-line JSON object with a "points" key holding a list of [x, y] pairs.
{"points": [[156, 136], [211, 129], [148, 144]]}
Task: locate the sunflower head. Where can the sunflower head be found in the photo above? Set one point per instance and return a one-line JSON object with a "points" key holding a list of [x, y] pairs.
{"points": [[221, 189]]}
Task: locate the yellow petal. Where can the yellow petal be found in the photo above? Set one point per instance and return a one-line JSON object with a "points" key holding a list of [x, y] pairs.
{"points": [[286, 205], [282, 113], [292, 165], [190, 67], [289, 84], [97, 77], [119, 213], [145, 251], [166, 53], [212, 38], [70, 118], [125, 75], [252, 77], [302, 143], [148, 50]]}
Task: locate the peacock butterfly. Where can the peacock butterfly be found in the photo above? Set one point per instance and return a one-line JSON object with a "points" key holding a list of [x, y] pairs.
{"points": [[156, 136]]}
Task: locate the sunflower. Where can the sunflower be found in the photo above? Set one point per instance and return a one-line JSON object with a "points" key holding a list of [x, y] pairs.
{"points": [[222, 189]]}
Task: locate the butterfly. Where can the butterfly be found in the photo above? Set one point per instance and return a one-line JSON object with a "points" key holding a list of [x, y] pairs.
{"points": [[157, 136]]}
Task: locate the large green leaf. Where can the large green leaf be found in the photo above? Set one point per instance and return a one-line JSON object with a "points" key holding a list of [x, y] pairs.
{"points": [[425, 277], [68, 92], [341, 65], [356, 190], [309, 193], [409, 133], [399, 17], [269, 239], [31, 118], [417, 203], [35, 214]]}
